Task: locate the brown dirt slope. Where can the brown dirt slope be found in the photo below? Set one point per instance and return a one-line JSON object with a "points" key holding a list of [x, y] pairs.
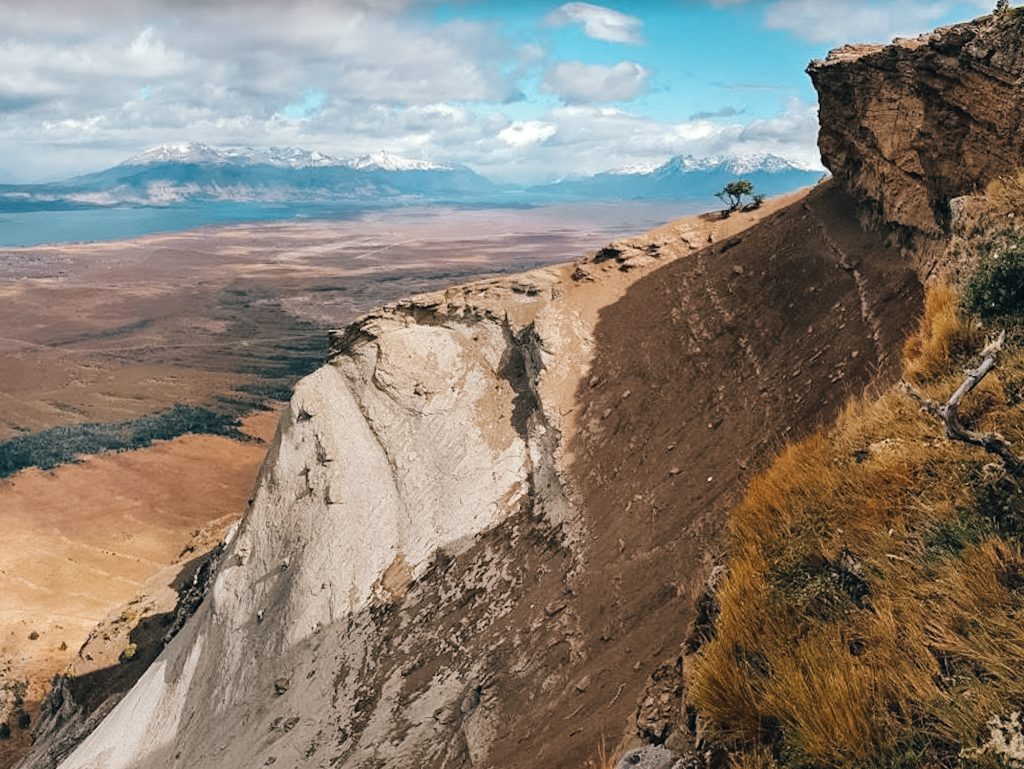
{"points": [[701, 371]]}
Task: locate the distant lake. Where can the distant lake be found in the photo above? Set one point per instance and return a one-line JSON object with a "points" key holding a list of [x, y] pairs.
{"points": [[36, 228]]}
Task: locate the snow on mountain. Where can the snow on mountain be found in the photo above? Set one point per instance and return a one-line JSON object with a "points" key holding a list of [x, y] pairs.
{"points": [[387, 161], [202, 154], [184, 152], [768, 163], [196, 153], [739, 164], [638, 169]]}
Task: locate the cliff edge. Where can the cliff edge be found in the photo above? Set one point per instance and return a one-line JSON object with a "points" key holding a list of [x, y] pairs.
{"points": [[908, 127]]}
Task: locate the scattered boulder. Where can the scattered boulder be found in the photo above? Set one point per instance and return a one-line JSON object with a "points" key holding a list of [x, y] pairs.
{"points": [[650, 757], [661, 706]]}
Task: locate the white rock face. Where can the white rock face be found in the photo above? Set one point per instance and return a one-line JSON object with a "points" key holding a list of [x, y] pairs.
{"points": [[429, 428]]}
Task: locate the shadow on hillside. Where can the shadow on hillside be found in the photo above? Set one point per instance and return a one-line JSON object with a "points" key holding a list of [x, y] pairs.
{"points": [[704, 369]]}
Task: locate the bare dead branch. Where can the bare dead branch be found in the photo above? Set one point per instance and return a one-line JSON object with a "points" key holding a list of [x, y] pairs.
{"points": [[948, 412]]}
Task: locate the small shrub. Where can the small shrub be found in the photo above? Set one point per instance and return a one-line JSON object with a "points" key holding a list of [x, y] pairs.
{"points": [[5, 731], [24, 719], [996, 289], [129, 652], [734, 192]]}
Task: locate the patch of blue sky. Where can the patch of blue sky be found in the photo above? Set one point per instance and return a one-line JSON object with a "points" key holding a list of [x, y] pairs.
{"points": [[310, 102], [714, 60]]}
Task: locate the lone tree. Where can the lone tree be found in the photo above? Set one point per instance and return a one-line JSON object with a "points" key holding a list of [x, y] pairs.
{"points": [[734, 192], [1002, 6]]}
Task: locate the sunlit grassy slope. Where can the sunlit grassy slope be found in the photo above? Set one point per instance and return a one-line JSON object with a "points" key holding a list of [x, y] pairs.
{"points": [[873, 612]]}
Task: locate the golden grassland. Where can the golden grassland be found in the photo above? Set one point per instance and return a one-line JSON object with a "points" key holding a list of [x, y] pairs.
{"points": [[873, 612]]}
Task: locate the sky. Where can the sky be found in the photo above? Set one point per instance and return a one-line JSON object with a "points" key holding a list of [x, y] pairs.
{"points": [[518, 90]]}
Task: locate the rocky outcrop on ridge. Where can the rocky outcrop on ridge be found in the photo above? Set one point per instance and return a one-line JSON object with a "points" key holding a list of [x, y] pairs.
{"points": [[910, 126]]}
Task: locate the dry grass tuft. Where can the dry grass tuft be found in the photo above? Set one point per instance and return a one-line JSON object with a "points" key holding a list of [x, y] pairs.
{"points": [[755, 759], [944, 334], [873, 615], [1006, 195], [604, 759]]}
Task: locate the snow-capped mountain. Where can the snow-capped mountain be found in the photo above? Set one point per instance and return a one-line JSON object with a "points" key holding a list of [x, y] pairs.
{"points": [[194, 153], [686, 177], [387, 161], [736, 164], [191, 172]]}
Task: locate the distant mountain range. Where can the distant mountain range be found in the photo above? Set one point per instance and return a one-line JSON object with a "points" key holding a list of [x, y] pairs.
{"points": [[686, 177], [193, 173]]}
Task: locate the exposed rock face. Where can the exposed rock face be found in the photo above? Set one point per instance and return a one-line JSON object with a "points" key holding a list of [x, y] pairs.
{"points": [[481, 527], [909, 126], [426, 430]]}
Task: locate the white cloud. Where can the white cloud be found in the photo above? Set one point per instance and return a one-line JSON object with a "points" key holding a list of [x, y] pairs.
{"points": [[867, 21], [589, 139], [525, 133], [577, 83], [599, 22], [133, 73], [83, 88]]}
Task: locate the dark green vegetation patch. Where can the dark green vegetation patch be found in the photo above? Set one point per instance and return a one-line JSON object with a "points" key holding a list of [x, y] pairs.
{"points": [[996, 289], [48, 448]]}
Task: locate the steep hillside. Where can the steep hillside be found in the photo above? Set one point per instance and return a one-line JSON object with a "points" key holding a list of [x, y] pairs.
{"points": [[416, 537], [484, 525], [451, 550], [871, 611]]}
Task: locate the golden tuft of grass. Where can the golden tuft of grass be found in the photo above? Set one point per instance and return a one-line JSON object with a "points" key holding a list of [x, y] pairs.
{"points": [[604, 759], [943, 335], [873, 614], [1005, 195], [756, 759]]}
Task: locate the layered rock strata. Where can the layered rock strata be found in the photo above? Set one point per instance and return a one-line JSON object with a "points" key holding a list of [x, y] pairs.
{"points": [[908, 127]]}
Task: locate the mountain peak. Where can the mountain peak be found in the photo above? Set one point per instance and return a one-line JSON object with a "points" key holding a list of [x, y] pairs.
{"points": [[388, 161], [281, 157], [734, 164], [178, 152], [203, 154]]}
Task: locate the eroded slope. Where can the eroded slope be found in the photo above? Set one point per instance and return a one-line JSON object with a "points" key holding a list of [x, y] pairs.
{"points": [[472, 543]]}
